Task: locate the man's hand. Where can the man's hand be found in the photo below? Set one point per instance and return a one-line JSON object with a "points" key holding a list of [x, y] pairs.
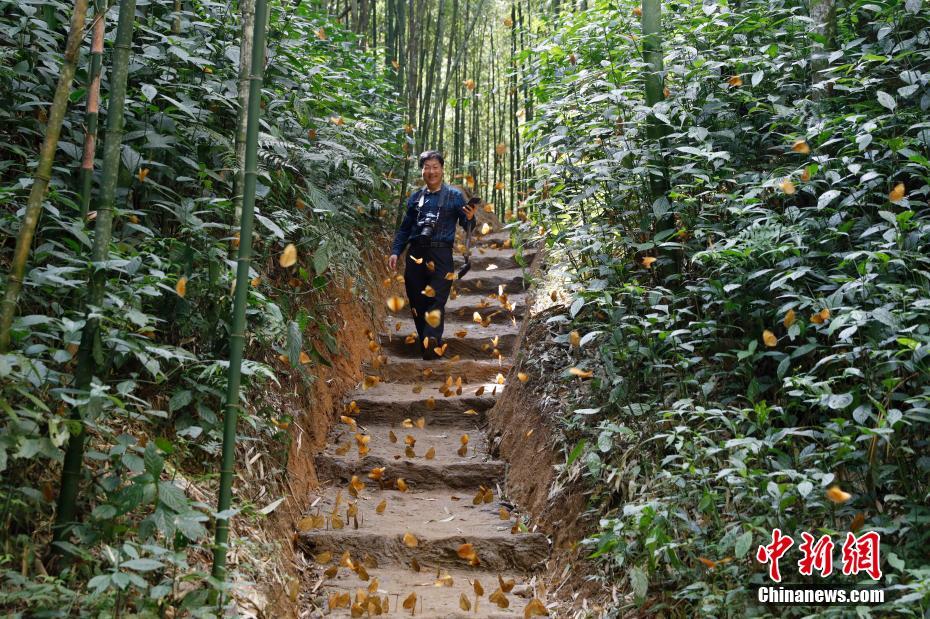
{"points": [[392, 262], [470, 210]]}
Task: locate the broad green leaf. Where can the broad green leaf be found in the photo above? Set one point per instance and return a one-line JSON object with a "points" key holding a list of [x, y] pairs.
{"points": [[743, 544], [639, 582], [886, 100], [142, 565]]}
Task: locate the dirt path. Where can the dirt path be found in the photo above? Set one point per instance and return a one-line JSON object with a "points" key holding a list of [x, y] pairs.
{"points": [[425, 551]]}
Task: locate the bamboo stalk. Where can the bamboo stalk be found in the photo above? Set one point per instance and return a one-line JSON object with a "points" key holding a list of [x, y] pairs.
{"points": [[457, 62], [176, 22], [74, 455], [43, 172], [426, 113], [247, 9], [823, 23], [388, 35], [512, 99], [92, 113], [439, 113], [237, 335], [655, 132], [652, 49], [652, 54]]}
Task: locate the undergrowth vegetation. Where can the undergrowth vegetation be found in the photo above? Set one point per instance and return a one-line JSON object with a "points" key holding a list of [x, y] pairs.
{"points": [[330, 135], [771, 343]]}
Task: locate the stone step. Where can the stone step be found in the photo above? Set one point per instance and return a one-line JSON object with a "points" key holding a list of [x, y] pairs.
{"points": [[411, 370], [438, 591], [483, 257], [440, 520], [493, 238], [490, 281], [445, 469], [391, 403], [476, 343], [466, 304]]}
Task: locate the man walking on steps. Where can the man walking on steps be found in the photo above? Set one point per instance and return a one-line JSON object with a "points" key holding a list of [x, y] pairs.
{"points": [[429, 228]]}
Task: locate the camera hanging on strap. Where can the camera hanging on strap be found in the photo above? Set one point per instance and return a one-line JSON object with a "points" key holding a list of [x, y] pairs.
{"points": [[428, 223]]}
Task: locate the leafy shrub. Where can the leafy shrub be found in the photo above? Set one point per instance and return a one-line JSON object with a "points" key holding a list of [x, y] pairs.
{"points": [[327, 143], [778, 345]]}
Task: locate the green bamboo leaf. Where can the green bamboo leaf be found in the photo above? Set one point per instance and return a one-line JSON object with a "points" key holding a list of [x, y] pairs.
{"points": [[576, 451]]}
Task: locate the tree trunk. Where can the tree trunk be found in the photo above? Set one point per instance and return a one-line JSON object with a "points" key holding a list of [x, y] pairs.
{"points": [[86, 366], [43, 172]]}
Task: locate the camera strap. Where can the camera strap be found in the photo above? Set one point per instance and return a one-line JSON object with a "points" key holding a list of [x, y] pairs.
{"points": [[443, 195]]}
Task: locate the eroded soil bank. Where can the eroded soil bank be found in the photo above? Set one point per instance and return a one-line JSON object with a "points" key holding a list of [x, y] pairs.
{"points": [[314, 409], [524, 429]]}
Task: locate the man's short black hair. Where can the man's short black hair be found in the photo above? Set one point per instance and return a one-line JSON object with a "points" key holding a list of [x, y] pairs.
{"points": [[431, 154]]}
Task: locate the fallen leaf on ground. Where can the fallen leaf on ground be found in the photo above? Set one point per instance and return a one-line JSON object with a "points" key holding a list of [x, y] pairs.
{"points": [[467, 552], [324, 557], [500, 599], [410, 601], [535, 609], [506, 585], [410, 541]]}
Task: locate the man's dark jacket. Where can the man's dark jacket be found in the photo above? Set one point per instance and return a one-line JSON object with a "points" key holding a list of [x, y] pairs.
{"points": [[452, 212]]}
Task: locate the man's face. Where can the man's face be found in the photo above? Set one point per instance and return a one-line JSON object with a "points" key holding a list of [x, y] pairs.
{"points": [[432, 172]]}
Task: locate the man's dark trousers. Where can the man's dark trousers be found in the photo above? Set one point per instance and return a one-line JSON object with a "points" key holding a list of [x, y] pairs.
{"points": [[416, 278]]}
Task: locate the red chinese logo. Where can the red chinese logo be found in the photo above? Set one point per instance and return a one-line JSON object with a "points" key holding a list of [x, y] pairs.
{"points": [[773, 552], [860, 554], [817, 555]]}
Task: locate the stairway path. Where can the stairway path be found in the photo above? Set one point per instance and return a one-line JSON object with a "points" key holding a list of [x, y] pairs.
{"points": [[409, 520]]}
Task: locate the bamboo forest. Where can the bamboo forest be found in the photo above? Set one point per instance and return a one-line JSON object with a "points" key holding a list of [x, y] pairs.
{"points": [[465, 308]]}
